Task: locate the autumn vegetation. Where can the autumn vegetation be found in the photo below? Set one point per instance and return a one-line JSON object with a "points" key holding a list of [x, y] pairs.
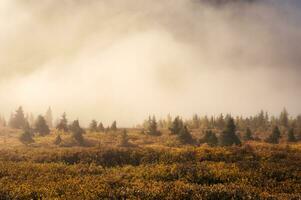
{"points": [[218, 157]]}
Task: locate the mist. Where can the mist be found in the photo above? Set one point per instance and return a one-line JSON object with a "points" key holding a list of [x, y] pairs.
{"points": [[123, 60]]}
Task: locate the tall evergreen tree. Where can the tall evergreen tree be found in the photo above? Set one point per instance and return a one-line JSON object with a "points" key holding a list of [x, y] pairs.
{"points": [[176, 126], [18, 119], [228, 137], [283, 119], [248, 135], [93, 126], [77, 132], [185, 136], [100, 127], [41, 126], [63, 123], [152, 126], [291, 135], [209, 138], [124, 139], [275, 136], [114, 126], [49, 118]]}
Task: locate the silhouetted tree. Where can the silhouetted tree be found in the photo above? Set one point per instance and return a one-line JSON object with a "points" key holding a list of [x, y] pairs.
{"points": [[228, 137], [57, 140], [283, 119], [275, 136], [63, 124], [291, 135], [209, 138], [48, 118], [100, 127], [26, 137], [185, 136], [196, 122], [77, 132], [152, 127], [93, 126], [114, 126], [18, 119], [248, 135], [41, 126], [124, 139], [176, 126]]}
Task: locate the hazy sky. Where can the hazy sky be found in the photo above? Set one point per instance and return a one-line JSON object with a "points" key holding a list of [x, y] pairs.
{"points": [[123, 60]]}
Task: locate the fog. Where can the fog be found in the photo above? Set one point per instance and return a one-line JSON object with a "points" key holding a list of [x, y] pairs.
{"points": [[123, 60]]}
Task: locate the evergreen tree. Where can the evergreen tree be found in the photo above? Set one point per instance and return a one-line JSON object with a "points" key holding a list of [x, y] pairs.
{"points": [[283, 119], [248, 135], [58, 140], [41, 126], [228, 137], [209, 138], [18, 119], [291, 135], [93, 126], [114, 126], [176, 126], [152, 127], [26, 137], [185, 136], [63, 124], [100, 127], [49, 118], [77, 132], [124, 139], [275, 136], [196, 122]]}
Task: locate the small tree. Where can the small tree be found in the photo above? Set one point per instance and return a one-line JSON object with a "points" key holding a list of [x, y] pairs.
{"points": [[176, 126], [184, 136], [114, 126], [124, 139], [100, 127], [58, 140], [153, 127], [26, 138], [77, 132], [228, 137], [291, 135], [18, 119], [248, 135], [209, 138], [93, 126], [41, 126], [275, 136], [63, 124]]}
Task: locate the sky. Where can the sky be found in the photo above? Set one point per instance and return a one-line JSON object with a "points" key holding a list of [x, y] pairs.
{"points": [[124, 60]]}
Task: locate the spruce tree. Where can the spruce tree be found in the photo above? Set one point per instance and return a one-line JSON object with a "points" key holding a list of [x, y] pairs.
{"points": [[185, 136], [58, 140], [100, 127], [63, 124], [124, 139], [248, 135], [274, 137], [153, 127], [77, 132], [18, 119], [228, 137], [41, 126], [283, 119], [209, 138], [93, 126], [176, 126], [26, 137], [49, 118], [114, 126], [291, 135]]}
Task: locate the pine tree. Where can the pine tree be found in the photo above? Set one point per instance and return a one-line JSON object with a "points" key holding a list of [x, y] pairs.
{"points": [[185, 136], [228, 137], [18, 119], [274, 137], [152, 127], [49, 118], [41, 126], [58, 140], [283, 119], [63, 124], [248, 135], [26, 137], [77, 132], [100, 127], [114, 126], [196, 121], [93, 126], [291, 135], [209, 138], [124, 139], [176, 126]]}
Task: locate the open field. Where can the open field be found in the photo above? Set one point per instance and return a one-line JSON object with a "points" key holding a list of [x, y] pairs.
{"points": [[150, 168]]}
